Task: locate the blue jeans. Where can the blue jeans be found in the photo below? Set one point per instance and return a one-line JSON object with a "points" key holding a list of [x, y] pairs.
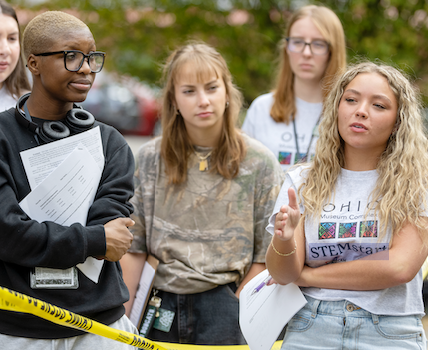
{"points": [[343, 325], [208, 318]]}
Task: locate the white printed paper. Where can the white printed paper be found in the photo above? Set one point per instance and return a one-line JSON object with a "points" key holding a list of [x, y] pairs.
{"points": [[65, 197], [264, 314], [40, 161]]}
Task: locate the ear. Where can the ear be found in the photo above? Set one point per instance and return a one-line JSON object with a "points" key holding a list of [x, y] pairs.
{"points": [[33, 63]]}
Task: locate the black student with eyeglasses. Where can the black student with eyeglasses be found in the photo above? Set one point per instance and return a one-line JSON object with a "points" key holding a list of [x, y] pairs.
{"points": [[74, 59], [61, 54], [286, 119]]}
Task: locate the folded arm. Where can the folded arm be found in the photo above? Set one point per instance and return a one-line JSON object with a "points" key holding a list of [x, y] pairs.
{"points": [[29, 243], [381, 270]]}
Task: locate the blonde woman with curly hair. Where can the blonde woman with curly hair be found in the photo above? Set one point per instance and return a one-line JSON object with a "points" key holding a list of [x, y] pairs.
{"points": [[350, 228], [203, 197], [312, 52]]}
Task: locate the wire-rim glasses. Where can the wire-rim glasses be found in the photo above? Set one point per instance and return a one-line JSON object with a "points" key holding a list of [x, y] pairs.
{"points": [[73, 59], [317, 47]]}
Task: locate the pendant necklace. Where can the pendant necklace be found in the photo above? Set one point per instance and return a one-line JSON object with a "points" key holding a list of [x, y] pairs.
{"points": [[203, 160]]}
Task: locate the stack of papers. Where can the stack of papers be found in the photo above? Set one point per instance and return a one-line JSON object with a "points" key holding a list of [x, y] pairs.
{"points": [[64, 176]]}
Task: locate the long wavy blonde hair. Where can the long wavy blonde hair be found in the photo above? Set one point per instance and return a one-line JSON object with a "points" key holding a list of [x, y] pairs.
{"points": [[176, 146], [284, 107], [401, 188]]}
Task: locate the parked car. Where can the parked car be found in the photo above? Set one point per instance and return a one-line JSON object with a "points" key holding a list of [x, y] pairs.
{"points": [[124, 103]]}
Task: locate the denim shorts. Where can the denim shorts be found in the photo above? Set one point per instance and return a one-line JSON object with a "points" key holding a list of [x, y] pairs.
{"points": [[208, 318], [343, 325]]}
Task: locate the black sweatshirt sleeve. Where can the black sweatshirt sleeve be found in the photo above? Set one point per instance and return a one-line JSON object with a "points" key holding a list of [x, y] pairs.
{"points": [[29, 243]]}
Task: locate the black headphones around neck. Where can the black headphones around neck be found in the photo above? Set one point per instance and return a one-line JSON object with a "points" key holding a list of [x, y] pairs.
{"points": [[76, 121]]}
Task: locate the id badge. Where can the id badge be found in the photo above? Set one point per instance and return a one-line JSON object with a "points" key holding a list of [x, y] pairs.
{"points": [[164, 321], [150, 315], [46, 278]]}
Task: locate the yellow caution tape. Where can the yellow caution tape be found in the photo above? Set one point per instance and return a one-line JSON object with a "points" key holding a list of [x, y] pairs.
{"points": [[18, 302], [14, 301], [173, 346]]}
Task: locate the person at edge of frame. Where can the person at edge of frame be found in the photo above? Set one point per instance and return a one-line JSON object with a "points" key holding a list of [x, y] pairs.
{"points": [[13, 78]]}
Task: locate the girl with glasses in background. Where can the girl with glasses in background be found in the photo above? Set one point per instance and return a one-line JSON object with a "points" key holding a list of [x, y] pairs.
{"points": [[286, 119], [13, 78]]}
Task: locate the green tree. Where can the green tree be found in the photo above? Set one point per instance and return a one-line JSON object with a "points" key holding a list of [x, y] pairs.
{"points": [[393, 31], [139, 34]]}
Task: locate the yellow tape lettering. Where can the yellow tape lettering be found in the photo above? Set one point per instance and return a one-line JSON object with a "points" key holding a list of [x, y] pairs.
{"points": [[45, 307], [32, 301], [141, 343], [60, 313], [19, 295], [79, 321]]}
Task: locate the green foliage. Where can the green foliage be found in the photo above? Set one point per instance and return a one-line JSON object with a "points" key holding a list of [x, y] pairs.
{"points": [[392, 31], [138, 35]]}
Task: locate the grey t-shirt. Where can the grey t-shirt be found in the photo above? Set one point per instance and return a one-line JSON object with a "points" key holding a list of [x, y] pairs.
{"points": [[347, 231]]}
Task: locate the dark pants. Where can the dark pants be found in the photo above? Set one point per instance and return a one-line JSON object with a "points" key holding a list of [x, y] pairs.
{"points": [[208, 318]]}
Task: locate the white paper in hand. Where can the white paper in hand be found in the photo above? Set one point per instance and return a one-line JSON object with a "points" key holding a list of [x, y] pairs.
{"points": [[65, 197], [264, 314]]}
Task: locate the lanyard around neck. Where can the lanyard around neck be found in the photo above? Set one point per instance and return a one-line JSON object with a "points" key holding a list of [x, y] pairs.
{"points": [[314, 133]]}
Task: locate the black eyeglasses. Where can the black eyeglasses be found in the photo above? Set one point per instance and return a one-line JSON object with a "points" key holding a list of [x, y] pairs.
{"points": [[73, 59], [317, 47]]}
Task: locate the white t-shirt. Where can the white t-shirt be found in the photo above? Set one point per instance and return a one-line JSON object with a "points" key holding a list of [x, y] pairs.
{"points": [[343, 233], [6, 99], [280, 137]]}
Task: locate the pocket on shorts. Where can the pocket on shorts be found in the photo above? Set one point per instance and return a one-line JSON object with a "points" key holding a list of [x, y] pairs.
{"points": [[300, 322], [400, 327]]}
